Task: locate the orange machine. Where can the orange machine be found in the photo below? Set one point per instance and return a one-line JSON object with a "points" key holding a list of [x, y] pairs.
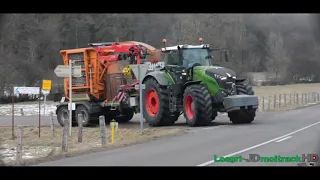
{"points": [[97, 91]]}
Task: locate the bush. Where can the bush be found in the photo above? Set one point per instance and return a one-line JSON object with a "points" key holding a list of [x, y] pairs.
{"points": [[21, 98]]}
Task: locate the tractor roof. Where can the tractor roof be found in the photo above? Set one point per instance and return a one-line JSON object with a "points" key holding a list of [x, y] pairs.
{"points": [[185, 46]]}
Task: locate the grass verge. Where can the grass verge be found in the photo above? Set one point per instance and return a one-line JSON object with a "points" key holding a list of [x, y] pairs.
{"points": [[48, 148]]}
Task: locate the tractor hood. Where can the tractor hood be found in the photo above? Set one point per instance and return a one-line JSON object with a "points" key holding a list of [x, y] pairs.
{"points": [[218, 72]]}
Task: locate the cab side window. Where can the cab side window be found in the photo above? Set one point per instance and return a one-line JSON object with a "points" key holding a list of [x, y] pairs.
{"points": [[173, 58]]}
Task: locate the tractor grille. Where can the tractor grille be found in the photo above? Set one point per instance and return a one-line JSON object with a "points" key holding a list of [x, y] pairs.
{"points": [[78, 61]]}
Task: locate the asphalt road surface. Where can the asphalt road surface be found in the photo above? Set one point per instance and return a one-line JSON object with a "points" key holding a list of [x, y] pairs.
{"points": [[285, 134]]}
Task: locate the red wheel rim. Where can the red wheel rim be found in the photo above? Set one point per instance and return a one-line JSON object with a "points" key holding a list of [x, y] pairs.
{"points": [[189, 107], [152, 102]]}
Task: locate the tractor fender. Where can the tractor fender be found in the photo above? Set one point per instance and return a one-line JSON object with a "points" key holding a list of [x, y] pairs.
{"points": [[240, 80], [159, 76], [191, 83]]}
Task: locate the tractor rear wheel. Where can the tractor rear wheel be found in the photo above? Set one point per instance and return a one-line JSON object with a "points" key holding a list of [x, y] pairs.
{"points": [[197, 105], [156, 104], [127, 115]]}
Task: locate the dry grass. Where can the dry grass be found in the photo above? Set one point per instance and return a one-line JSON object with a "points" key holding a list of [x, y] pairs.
{"points": [[48, 147], [282, 98]]}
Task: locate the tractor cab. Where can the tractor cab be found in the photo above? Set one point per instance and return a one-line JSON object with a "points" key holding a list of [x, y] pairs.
{"points": [[183, 55], [188, 56]]}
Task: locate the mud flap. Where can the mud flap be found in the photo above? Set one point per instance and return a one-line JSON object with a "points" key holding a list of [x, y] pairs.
{"points": [[237, 102]]}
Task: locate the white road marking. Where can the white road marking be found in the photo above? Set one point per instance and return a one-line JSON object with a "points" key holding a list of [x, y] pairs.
{"points": [[280, 140], [261, 144]]}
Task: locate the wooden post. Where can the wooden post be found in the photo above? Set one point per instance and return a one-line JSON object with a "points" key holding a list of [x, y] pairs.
{"points": [[21, 112], [80, 120], [19, 145], [285, 100], [312, 97], [269, 103], [274, 101], [262, 103], [12, 121], [290, 99], [298, 98], [279, 100], [65, 136], [305, 98], [52, 123], [302, 96], [102, 123], [39, 120]]}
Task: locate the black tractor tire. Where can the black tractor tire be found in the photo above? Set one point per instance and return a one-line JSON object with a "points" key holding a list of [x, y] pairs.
{"points": [[127, 115], [81, 109], [245, 116], [63, 115], [214, 115], [197, 105], [244, 88], [156, 105]]}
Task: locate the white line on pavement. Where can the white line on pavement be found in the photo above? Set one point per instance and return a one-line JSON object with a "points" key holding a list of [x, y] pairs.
{"points": [[280, 140], [261, 144]]}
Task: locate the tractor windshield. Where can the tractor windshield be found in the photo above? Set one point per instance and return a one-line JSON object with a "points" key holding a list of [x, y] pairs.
{"points": [[200, 56]]}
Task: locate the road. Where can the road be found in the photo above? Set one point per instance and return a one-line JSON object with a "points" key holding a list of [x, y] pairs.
{"points": [[288, 133]]}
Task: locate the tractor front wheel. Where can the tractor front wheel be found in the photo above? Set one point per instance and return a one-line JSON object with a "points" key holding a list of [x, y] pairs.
{"points": [[197, 105], [156, 104], [242, 117]]}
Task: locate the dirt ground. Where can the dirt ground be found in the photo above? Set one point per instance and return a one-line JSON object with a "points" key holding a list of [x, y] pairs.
{"points": [[282, 98], [47, 147]]}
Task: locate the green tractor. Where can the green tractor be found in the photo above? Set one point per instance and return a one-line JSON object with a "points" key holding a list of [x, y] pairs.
{"points": [[185, 82]]}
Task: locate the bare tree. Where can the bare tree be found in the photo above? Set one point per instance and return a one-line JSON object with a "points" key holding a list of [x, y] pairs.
{"points": [[277, 57]]}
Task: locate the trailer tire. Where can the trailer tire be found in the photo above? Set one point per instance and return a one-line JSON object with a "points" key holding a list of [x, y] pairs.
{"points": [[81, 109], [197, 105], [127, 115], [156, 108], [63, 115]]}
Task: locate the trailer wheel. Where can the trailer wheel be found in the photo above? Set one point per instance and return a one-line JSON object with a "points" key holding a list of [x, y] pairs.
{"points": [[127, 115], [63, 115], [197, 105], [156, 108], [84, 111]]}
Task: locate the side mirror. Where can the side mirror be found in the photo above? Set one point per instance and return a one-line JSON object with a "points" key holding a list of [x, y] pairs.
{"points": [[226, 56]]}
